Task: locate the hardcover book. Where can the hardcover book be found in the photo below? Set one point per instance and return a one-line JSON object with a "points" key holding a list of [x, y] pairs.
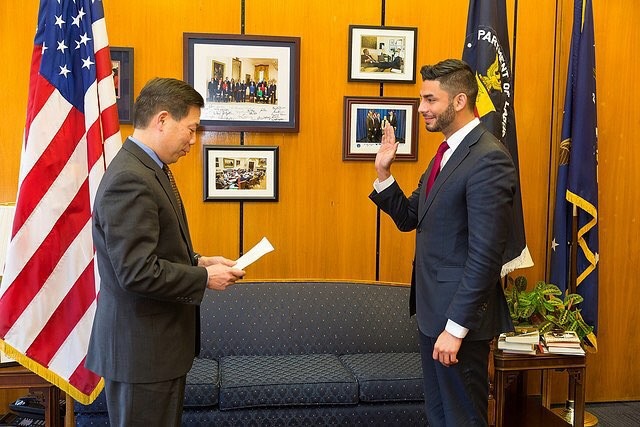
{"points": [[563, 338], [516, 347], [573, 351], [529, 335]]}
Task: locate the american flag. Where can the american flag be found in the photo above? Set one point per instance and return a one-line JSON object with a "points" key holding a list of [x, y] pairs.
{"points": [[50, 284]]}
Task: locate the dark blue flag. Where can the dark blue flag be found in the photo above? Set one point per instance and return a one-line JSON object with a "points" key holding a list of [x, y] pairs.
{"points": [[486, 50], [577, 185]]}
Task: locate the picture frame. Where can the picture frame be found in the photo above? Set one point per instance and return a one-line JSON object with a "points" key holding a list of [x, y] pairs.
{"points": [[249, 83], [382, 54], [122, 69], [361, 137], [240, 172]]}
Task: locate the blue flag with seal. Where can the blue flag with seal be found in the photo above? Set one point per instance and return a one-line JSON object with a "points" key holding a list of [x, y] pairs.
{"points": [[577, 179], [486, 50]]}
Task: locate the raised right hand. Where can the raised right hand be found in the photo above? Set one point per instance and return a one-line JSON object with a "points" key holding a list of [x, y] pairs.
{"points": [[386, 153]]}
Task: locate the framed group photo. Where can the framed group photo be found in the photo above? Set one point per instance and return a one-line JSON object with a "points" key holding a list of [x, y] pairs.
{"points": [[366, 117], [122, 70], [249, 83], [380, 54], [241, 172]]}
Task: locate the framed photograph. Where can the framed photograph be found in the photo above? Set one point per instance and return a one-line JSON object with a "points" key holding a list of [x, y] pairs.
{"points": [[249, 83], [122, 69], [364, 119], [382, 54], [240, 172]]}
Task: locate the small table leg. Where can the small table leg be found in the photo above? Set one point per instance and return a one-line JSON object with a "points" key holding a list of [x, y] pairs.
{"points": [[578, 376], [500, 396], [51, 405], [546, 389]]}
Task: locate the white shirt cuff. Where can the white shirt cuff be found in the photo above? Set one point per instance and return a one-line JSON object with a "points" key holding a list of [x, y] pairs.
{"points": [[381, 186], [456, 330]]}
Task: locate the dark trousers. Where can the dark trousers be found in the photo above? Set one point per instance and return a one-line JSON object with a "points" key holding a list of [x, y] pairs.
{"points": [[457, 395], [145, 404]]}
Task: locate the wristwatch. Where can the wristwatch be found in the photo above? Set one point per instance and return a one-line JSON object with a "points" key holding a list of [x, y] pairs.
{"points": [[196, 258]]}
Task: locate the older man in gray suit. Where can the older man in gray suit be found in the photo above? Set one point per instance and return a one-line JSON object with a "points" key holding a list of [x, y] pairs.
{"points": [[461, 212], [146, 328]]}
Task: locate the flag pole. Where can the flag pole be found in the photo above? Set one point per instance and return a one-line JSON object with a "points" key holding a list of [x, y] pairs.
{"points": [[69, 415]]}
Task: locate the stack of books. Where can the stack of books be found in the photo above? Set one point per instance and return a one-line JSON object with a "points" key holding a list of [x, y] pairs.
{"points": [[564, 342], [522, 341]]}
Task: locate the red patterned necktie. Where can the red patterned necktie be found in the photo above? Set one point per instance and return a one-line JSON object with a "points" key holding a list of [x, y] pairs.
{"points": [[174, 187], [436, 164]]}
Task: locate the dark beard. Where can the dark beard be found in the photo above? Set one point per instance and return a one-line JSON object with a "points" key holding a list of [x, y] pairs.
{"points": [[444, 119]]}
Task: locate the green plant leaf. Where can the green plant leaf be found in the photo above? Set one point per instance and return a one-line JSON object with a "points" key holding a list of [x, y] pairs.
{"points": [[572, 299], [552, 318], [555, 301], [520, 283], [564, 317], [550, 290], [527, 311], [545, 326]]}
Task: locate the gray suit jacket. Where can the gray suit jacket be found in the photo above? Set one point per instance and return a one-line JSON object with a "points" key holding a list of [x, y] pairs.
{"points": [[146, 327], [461, 232]]}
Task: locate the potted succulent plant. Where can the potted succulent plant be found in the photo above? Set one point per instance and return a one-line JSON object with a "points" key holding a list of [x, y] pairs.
{"points": [[544, 308]]}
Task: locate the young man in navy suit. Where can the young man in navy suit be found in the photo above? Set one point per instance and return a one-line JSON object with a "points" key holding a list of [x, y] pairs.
{"points": [[461, 223]]}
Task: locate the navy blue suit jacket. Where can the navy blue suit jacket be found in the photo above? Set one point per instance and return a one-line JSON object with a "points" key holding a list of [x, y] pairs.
{"points": [[461, 232]]}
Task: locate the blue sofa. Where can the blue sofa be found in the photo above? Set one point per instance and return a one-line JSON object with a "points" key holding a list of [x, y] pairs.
{"points": [[301, 353]]}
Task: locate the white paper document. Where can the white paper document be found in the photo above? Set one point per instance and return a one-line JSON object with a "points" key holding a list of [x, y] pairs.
{"points": [[253, 254]]}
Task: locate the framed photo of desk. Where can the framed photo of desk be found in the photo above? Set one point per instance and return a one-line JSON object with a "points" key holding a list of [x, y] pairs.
{"points": [[242, 173], [382, 54], [249, 83]]}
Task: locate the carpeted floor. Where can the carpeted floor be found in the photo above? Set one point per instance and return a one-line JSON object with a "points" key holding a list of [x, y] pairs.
{"points": [[616, 414]]}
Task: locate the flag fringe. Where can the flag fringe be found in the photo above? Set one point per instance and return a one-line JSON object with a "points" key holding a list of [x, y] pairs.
{"points": [[51, 376], [523, 260], [589, 208], [592, 342]]}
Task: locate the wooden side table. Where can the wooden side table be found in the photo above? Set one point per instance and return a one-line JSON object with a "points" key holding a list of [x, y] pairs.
{"points": [[17, 376], [508, 368]]}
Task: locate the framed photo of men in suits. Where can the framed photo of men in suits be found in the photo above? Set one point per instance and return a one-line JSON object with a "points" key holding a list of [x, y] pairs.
{"points": [[249, 83], [366, 117]]}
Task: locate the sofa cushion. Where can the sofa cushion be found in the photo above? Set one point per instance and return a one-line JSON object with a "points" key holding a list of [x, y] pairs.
{"points": [[203, 384], [307, 379], [384, 377], [201, 390]]}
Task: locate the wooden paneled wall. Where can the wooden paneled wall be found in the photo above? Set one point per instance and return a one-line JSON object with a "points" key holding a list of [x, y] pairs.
{"points": [[323, 225]]}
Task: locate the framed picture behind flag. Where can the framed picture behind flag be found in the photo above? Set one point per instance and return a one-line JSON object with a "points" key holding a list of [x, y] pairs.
{"points": [[122, 70]]}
